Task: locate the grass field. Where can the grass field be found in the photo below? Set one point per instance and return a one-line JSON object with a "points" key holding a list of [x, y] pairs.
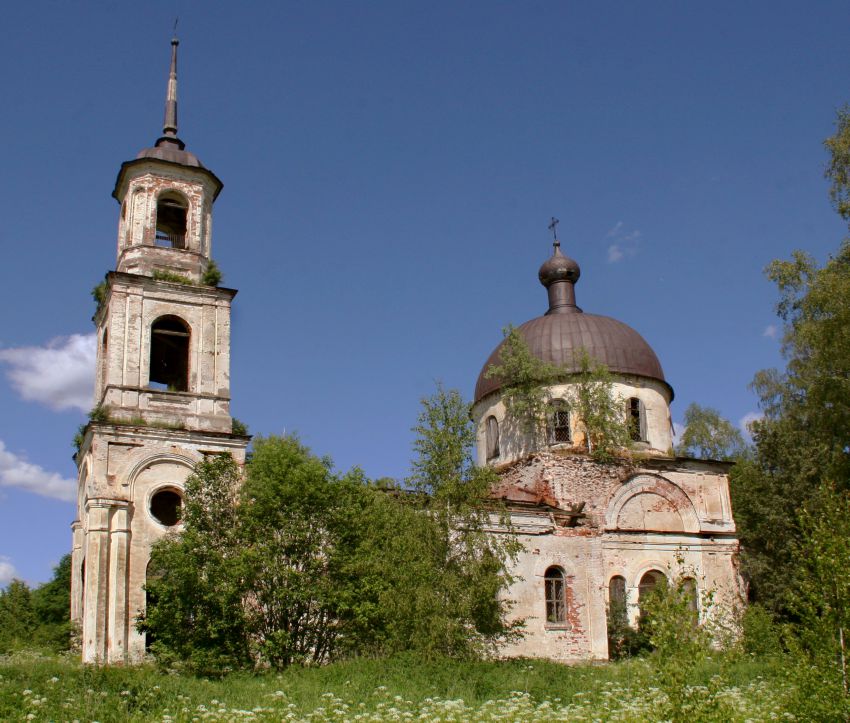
{"points": [[34, 687]]}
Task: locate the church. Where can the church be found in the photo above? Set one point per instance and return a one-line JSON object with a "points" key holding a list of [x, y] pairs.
{"points": [[592, 533]]}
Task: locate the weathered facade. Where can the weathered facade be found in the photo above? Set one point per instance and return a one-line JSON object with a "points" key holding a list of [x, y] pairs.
{"points": [[591, 531], [595, 531], [162, 387]]}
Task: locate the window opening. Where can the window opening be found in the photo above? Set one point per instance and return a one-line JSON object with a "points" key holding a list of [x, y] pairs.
{"points": [[555, 583], [150, 600], [166, 506], [648, 583], [689, 588], [104, 360], [169, 361], [559, 424], [618, 617], [171, 213], [636, 418], [617, 591], [492, 437], [82, 594]]}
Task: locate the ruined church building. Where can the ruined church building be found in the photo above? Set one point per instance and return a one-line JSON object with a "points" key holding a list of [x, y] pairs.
{"points": [[592, 533]]}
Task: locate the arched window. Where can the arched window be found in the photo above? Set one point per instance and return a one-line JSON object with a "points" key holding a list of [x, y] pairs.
{"points": [[689, 588], [555, 583], [82, 593], [559, 423], [151, 575], [648, 583], [636, 419], [492, 432], [617, 592], [104, 359], [169, 361], [618, 617], [171, 213]]}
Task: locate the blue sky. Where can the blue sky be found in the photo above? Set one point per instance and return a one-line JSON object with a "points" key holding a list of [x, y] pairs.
{"points": [[390, 169]]}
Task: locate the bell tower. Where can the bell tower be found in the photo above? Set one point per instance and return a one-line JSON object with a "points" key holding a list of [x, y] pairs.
{"points": [[162, 386]]}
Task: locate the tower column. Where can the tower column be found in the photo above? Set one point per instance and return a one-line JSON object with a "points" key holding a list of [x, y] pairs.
{"points": [[117, 621], [96, 593], [78, 538]]}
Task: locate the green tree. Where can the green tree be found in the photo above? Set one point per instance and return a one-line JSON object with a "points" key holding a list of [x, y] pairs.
{"points": [[51, 604], [680, 643], [804, 436], [302, 565], [708, 435], [467, 614], [525, 381], [838, 167], [17, 617], [819, 596], [195, 583], [293, 508], [601, 411]]}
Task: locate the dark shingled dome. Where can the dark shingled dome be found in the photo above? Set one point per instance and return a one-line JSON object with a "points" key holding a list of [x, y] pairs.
{"points": [[173, 151], [565, 329]]}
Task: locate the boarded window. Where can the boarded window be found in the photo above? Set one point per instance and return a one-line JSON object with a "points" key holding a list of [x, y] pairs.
{"points": [[636, 418], [492, 432], [555, 583], [169, 362], [559, 423], [171, 212]]}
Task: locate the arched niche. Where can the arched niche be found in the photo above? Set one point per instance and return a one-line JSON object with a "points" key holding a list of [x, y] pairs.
{"points": [[172, 216], [155, 475], [651, 503]]}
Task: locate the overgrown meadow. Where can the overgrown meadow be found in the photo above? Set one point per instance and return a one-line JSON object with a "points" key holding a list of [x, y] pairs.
{"points": [[53, 688]]}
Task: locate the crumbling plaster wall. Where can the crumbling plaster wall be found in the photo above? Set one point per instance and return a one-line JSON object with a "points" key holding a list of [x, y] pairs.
{"points": [[515, 443], [125, 325], [121, 468], [671, 516], [137, 249]]}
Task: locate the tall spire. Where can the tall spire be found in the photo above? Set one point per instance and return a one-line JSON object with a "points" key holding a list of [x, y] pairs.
{"points": [[169, 126]]}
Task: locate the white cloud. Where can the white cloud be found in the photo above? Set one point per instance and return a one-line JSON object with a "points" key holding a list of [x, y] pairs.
{"points": [[745, 422], [59, 375], [625, 243], [770, 331], [615, 254], [17, 472], [7, 571]]}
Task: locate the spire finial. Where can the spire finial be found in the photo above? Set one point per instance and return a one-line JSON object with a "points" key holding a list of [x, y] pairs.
{"points": [[169, 126], [559, 274], [553, 227]]}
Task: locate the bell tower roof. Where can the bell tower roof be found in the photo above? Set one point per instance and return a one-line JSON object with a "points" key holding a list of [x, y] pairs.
{"points": [[168, 147]]}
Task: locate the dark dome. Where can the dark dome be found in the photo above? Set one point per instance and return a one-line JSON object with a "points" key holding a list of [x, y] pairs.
{"points": [[558, 268], [555, 337], [565, 330], [171, 150]]}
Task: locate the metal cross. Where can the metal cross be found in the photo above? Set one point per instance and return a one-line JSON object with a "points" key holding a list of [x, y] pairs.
{"points": [[553, 227]]}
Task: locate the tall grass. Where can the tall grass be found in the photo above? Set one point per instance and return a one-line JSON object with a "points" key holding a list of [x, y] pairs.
{"points": [[35, 687]]}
